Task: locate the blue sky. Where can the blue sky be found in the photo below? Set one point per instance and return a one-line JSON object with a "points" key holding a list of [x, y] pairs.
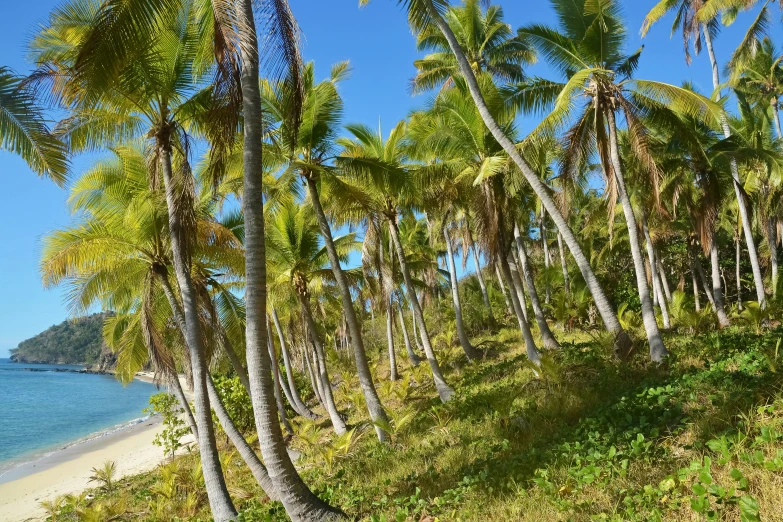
{"points": [[381, 50]]}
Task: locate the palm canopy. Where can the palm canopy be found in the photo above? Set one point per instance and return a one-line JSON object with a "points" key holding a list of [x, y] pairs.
{"points": [[588, 51], [23, 129], [296, 256], [488, 42]]}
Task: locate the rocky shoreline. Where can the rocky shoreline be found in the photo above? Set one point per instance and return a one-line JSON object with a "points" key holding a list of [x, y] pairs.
{"points": [[70, 370]]}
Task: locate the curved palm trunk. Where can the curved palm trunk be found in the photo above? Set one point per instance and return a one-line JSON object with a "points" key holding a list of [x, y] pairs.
{"points": [[773, 255], [315, 384], [249, 456], [776, 115], [608, 315], [547, 337], [708, 289], [563, 265], [664, 280], [276, 378], [694, 276], [480, 277], [737, 260], [239, 368], [547, 259], [323, 375], [412, 356], [219, 500], [524, 327], [374, 405], [393, 376], [747, 226], [657, 348], [300, 503], [296, 400], [444, 390], [276, 364], [502, 286], [175, 385], [464, 341], [655, 275], [416, 334], [516, 284]]}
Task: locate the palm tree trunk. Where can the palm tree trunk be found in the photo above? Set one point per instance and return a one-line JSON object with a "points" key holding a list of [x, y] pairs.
{"points": [[470, 352], [772, 241], [547, 259], [654, 272], [737, 260], [249, 456], [547, 337], [664, 280], [299, 406], [412, 356], [503, 289], [314, 383], [517, 286], [239, 368], [524, 327], [276, 379], [657, 348], [326, 386], [444, 390], [566, 283], [393, 376], [708, 288], [283, 385], [747, 226], [300, 503], [717, 290], [608, 315], [695, 284], [374, 405], [480, 276], [416, 333], [217, 493], [175, 385]]}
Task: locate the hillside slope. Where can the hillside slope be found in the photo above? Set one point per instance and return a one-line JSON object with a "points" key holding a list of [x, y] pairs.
{"points": [[77, 341]]}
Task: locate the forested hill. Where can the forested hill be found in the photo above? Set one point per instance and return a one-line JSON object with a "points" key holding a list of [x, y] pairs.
{"points": [[77, 341]]}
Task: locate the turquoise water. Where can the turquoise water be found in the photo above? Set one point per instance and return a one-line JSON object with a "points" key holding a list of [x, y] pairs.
{"points": [[41, 411]]}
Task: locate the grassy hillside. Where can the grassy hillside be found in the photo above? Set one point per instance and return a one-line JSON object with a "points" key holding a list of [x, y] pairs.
{"points": [[587, 439], [71, 342]]}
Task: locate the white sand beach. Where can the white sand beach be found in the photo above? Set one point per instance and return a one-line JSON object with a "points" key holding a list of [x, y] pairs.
{"points": [[68, 470]]}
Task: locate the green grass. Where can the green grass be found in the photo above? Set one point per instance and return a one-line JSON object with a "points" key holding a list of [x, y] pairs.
{"points": [[587, 438]]}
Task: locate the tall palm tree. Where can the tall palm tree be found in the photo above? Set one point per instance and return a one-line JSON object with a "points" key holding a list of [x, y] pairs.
{"points": [[379, 185], [588, 51], [488, 42], [309, 149], [700, 15], [760, 79], [23, 129], [160, 90], [425, 13], [298, 261]]}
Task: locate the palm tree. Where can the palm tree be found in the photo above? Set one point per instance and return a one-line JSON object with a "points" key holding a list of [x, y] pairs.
{"points": [[424, 13], [700, 15], [106, 260], [23, 129], [760, 79], [298, 261], [379, 185], [461, 156], [588, 51], [160, 90], [488, 42], [308, 150]]}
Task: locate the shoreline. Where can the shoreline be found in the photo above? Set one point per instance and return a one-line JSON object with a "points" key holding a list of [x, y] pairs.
{"points": [[67, 469]]}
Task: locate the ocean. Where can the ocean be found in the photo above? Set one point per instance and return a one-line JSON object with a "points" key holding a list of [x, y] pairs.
{"points": [[43, 411]]}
